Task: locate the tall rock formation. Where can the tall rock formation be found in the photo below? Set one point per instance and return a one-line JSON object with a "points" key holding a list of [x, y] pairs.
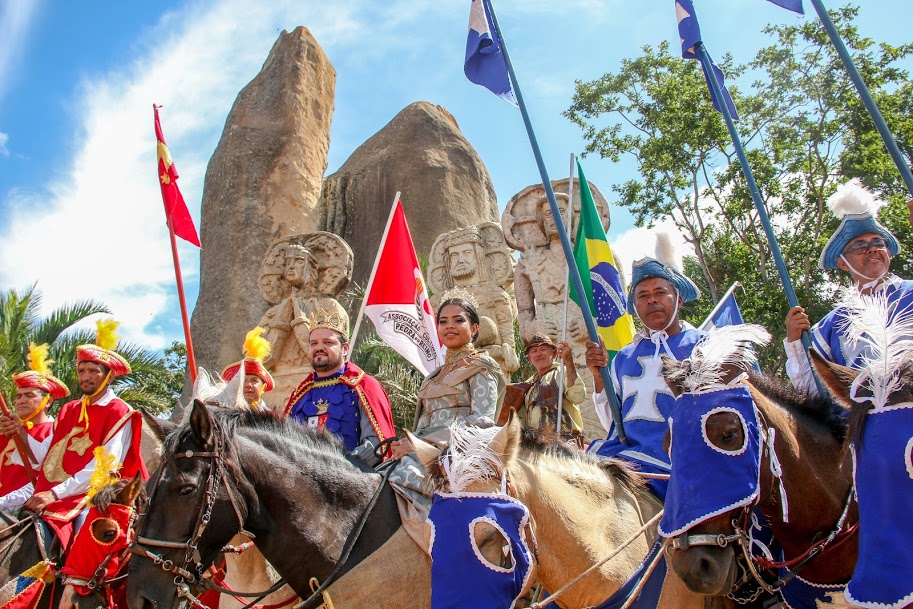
{"points": [[263, 182], [423, 154]]}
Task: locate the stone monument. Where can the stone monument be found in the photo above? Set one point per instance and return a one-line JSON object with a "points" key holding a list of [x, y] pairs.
{"points": [[300, 275], [477, 260]]}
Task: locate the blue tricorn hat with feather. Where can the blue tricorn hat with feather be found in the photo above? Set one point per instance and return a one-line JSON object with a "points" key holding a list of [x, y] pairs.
{"points": [[857, 207], [662, 267]]}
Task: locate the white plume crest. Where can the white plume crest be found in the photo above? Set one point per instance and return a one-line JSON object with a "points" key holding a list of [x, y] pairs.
{"points": [[886, 333], [666, 251], [470, 458], [215, 391], [853, 198], [712, 357]]}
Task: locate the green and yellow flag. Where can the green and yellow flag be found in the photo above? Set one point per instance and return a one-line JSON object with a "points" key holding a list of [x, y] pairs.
{"points": [[605, 294]]}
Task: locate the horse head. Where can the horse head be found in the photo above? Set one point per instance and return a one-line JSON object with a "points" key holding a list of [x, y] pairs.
{"points": [[198, 500], [715, 443]]}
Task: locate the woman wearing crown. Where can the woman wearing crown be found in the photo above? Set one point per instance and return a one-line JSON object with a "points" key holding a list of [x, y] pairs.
{"points": [[36, 390]]}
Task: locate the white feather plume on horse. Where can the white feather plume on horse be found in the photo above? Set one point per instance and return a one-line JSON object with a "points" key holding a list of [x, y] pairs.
{"points": [[470, 457], [886, 332], [716, 354], [215, 391]]}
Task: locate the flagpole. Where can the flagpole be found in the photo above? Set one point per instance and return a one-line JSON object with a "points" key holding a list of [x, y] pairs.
{"points": [[719, 305], [567, 289], [880, 124], [562, 234], [185, 319], [756, 197], [364, 300]]}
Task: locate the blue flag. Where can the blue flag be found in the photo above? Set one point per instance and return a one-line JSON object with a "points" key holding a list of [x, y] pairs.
{"points": [[790, 5], [485, 64], [689, 30], [726, 313]]}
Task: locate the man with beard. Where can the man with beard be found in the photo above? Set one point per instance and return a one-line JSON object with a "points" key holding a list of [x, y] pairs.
{"points": [[338, 396], [863, 248]]}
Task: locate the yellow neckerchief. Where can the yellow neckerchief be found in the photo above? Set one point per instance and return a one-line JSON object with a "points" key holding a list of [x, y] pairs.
{"points": [[83, 414], [466, 350], [27, 421]]}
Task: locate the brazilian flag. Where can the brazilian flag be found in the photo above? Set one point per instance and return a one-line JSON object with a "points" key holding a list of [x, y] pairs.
{"points": [[605, 295]]}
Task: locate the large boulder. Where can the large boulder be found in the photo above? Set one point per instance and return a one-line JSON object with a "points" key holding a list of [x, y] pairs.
{"points": [[263, 182], [423, 154]]}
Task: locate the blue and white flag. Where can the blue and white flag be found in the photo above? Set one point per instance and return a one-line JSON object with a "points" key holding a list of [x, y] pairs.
{"points": [[790, 5], [689, 30], [485, 64], [726, 312]]}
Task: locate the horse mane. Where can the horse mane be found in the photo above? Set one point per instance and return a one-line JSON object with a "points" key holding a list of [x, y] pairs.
{"points": [[108, 495], [536, 444], [818, 412]]}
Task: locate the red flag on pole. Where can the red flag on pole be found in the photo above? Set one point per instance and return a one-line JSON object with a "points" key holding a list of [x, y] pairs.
{"points": [[175, 208], [397, 301]]}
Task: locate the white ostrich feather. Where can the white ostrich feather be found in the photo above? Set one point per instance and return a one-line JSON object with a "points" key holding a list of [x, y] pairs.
{"points": [[213, 390], [717, 353], [886, 333], [666, 251], [470, 457], [853, 198]]}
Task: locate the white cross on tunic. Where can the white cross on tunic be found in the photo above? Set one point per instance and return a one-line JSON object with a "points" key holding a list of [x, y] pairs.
{"points": [[645, 388]]}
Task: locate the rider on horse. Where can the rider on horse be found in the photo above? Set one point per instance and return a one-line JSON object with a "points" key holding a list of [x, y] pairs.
{"points": [[36, 389], [657, 293], [862, 247], [257, 379]]}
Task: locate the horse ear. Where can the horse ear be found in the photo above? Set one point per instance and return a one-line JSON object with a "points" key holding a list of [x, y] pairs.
{"points": [[201, 424], [427, 454], [129, 493], [160, 428], [506, 442], [672, 373], [836, 378]]}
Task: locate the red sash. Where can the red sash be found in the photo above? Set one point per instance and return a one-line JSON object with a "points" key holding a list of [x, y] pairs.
{"points": [[12, 473]]}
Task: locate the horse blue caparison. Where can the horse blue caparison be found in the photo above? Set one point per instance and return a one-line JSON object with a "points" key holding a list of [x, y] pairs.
{"points": [[296, 490]]}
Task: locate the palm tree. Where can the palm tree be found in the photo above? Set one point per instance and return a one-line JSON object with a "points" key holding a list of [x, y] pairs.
{"points": [[21, 324]]}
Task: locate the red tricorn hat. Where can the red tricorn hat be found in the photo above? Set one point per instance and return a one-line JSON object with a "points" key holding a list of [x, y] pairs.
{"points": [[39, 375], [102, 352], [256, 349]]}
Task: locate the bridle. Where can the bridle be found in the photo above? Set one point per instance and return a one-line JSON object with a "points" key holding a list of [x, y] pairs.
{"points": [[100, 581]]}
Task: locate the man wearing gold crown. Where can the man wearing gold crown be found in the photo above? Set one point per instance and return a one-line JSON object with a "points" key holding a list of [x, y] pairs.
{"points": [[338, 395], [257, 379], [36, 389], [99, 418]]}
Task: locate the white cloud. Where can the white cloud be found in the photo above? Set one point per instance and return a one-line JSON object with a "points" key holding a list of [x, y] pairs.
{"points": [[4, 138], [634, 244], [15, 16]]}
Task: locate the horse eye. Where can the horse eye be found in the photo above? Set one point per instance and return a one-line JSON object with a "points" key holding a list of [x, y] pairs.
{"points": [[109, 536], [730, 435], [186, 489]]}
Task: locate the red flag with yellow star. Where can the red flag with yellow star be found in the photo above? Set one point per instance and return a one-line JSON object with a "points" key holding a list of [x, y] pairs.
{"points": [[175, 208]]}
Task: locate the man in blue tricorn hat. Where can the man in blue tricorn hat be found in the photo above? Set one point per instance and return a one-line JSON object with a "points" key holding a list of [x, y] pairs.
{"points": [[658, 291], [862, 247]]}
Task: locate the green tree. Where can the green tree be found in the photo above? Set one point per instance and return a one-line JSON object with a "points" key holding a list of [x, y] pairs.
{"points": [[804, 133]]}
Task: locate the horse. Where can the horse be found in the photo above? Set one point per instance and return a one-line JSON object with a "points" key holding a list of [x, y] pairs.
{"points": [[744, 444], [23, 549], [583, 507]]}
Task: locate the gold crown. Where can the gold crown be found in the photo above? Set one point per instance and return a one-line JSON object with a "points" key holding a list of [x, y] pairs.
{"points": [[462, 293], [332, 320]]}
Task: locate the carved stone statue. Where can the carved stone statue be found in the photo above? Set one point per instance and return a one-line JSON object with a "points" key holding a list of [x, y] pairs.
{"points": [[477, 260], [541, 273], [300, 275]]}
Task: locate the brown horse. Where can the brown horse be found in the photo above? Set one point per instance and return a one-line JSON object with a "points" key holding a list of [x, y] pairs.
{"points": [[798, 456], [583, 509]]}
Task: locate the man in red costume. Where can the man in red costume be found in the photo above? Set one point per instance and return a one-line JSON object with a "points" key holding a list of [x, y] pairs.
{"points": [[338, 395], [36, 390], [98, 419]]}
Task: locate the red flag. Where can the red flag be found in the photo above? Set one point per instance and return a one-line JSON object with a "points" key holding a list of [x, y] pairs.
{"points": [[24, 591], [397, 302], [175, 208]]}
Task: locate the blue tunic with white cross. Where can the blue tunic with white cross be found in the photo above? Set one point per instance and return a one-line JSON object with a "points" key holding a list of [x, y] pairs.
{"points": [[828, 334], [646, 402]]}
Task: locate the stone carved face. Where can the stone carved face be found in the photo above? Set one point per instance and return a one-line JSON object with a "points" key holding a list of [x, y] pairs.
{"points": [[547, 220], [462, 261], [299, 269]]}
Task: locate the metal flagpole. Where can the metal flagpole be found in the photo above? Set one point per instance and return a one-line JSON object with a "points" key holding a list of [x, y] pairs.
{"points": [[756, 197], [562, 232], [710, 315], [364, 300], [886, 135], [185, 318], [567, 289]]}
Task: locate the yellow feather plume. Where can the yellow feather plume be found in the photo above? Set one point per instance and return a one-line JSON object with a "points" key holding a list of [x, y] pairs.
{"points": [[255, 346], [38, 358], [106, 334], [106, 468]]}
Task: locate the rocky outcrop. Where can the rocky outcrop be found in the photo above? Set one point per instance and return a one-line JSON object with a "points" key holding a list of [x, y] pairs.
{"points": [[262, 183], [423, 154]]}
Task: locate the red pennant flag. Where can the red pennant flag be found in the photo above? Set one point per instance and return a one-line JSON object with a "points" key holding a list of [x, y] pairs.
{"points": [[397, 301], [175, 208]]}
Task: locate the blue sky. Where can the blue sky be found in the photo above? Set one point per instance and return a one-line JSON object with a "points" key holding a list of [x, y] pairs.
{"points": [[79, 203]]}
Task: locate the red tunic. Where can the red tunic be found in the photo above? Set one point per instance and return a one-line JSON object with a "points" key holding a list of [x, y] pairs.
{"points": [[72, 449], [12, 473]]}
